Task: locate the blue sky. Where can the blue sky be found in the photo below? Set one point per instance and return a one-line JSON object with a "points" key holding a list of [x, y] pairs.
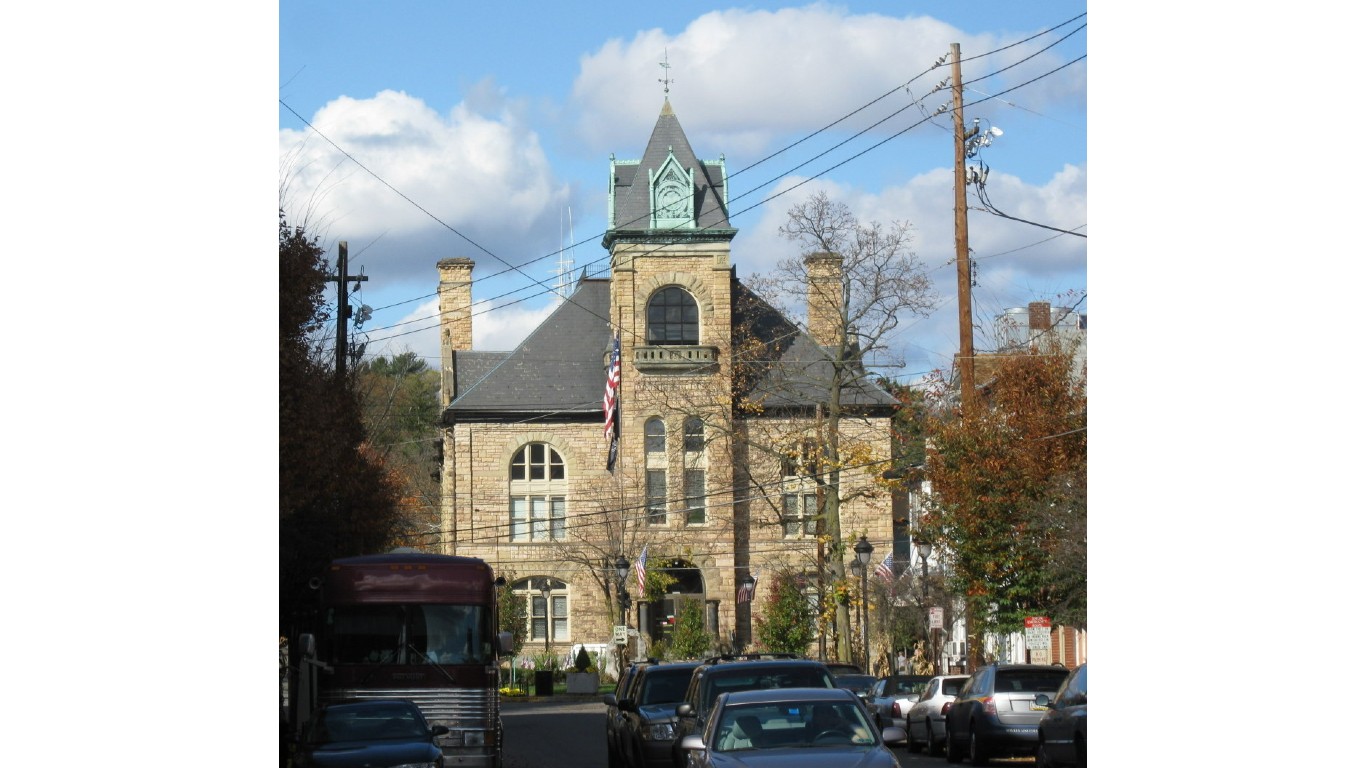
{"points": [[485, 131]]}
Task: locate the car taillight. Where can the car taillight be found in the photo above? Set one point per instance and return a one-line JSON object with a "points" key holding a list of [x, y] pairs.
{"points": [[989, 705], [896, 708], [945, 711]]}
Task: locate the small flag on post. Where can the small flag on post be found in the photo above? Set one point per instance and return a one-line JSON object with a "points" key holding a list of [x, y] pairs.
{"points": [[610, 428], [640, 570], [884, 569], [746, 591]]}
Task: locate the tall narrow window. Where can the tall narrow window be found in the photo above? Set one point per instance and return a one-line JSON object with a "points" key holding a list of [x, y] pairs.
{"points": [[672, 317], [536, 494], [801, 515], [695, 495], [656, 496]]}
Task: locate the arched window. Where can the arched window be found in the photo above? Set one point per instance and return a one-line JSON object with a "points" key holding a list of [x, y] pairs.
{"points": [[536, 494], [656, 472], [672, 317], [539, 614]]}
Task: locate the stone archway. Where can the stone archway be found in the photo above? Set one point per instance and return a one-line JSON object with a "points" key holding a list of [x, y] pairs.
{"points": [[689, 584]]}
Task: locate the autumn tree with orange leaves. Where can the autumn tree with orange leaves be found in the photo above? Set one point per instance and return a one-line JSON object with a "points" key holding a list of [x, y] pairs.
{"points": [[1009, 491]]}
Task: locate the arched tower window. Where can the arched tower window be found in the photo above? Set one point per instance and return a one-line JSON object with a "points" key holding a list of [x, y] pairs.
{"points": [[536, 494], [672, 317]]}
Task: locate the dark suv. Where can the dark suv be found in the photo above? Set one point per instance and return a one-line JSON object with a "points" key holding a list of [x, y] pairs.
{"points": [[648, 716], [996, 713], [616, 721], [740, 673]]}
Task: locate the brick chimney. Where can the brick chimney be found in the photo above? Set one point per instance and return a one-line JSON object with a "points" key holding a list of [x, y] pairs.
{"points": [[457, 328], [825, 298], [1040, 317]]}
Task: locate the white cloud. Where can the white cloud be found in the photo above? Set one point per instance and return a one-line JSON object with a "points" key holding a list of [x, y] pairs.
{"points": [[484, 176]]}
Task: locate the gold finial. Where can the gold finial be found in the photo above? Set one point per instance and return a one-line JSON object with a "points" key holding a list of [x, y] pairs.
{"points": [[665, 80]]}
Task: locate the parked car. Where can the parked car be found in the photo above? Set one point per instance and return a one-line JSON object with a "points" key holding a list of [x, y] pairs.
{"points": [[859, 684], [925, 720], [997, 713], [740, 673], [791, 728], [369, 734], [1062, 730], [891, 697], [615, 717], [649, 719], [838, 668]]}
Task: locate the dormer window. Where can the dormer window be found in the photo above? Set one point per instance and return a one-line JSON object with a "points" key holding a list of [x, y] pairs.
{"points": [[671, 196]]}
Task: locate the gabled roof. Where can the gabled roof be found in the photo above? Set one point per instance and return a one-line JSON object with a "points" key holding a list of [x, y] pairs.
{"points": [[631, 182], [556, 373]]}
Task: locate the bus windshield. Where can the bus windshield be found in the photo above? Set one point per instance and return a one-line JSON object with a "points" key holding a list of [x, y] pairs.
{"points": [[409, 634]]}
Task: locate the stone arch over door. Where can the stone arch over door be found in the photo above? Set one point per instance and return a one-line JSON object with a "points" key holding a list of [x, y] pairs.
{"points": [[689, 584]]}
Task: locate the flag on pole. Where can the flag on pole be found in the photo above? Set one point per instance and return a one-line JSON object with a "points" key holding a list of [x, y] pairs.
{"points": [[610, 429], [884, 569], [640, 570], [746, 591]]}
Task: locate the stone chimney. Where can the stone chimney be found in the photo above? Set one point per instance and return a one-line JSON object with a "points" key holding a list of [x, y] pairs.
{"points": [[457, 328], [825, 298]]}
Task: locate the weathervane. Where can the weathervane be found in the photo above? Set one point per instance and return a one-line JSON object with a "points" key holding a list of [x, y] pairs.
{"points": [[665, 80]]}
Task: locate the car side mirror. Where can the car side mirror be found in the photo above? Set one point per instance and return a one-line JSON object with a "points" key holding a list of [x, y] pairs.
{"points": [[505, 642], [893, 734], [627, 705], [692, 741], [684, 710], [439, 730], [610, 699], [1043, 700]]}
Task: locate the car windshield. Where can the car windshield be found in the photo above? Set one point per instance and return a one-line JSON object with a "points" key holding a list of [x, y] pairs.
{"points": [[664, 686], [410, 634], [1029, 681], [792, 725], [366, 723]]}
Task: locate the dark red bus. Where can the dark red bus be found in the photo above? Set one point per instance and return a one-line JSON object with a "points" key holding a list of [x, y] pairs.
{"points": [[408, 625]]}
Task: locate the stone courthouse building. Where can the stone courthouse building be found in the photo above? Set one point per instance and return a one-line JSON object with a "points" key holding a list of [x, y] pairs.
{"points": [[718, 415]]}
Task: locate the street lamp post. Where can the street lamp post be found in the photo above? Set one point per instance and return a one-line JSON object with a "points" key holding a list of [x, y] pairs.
{"points": [[864, 550], [623, 567], [545, 599], [748, 582], [923, 548]]}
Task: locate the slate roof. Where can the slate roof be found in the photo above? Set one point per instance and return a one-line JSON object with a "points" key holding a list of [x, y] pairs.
{"points": [[556, 373], [631, 181]]}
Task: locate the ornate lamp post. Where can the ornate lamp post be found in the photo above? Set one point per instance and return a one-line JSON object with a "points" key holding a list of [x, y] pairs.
{"points": [[545, 598], [748, 582], [923, 548], [623, 567], [864, 550]]}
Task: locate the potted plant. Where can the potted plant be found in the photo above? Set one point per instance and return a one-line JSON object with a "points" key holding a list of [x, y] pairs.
{"points": [[584, 678]]}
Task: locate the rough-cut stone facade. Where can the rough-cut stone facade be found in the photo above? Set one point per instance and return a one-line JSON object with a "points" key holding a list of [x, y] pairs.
{"points": [[605, 512]]}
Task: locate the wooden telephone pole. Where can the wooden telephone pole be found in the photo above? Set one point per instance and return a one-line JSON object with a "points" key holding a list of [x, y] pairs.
{"points": [[343, 306], [966, 369]]}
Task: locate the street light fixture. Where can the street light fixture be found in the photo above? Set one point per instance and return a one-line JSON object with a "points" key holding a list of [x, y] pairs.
{"points": [[545, 598], [923, 548], [623, 567], [748, 582], [864, 550]]}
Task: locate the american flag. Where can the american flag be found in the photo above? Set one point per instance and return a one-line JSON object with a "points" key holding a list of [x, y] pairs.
{"points": [[609, 398], [640, 570], [746, 591], [884, 569]]}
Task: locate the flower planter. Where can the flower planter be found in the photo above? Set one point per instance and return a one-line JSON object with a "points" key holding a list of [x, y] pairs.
{"points": [[581, 682]]}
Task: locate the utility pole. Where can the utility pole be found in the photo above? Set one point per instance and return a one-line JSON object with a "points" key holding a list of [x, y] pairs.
{"points": [[343, 306], [966, 372]]}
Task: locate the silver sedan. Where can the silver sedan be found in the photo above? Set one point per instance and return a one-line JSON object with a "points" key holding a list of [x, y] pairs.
{"points": [[791, 728]]}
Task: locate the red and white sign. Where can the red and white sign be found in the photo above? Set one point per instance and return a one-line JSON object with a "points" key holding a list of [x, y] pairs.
{"points": [[936, 618], [1038, 633]]}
